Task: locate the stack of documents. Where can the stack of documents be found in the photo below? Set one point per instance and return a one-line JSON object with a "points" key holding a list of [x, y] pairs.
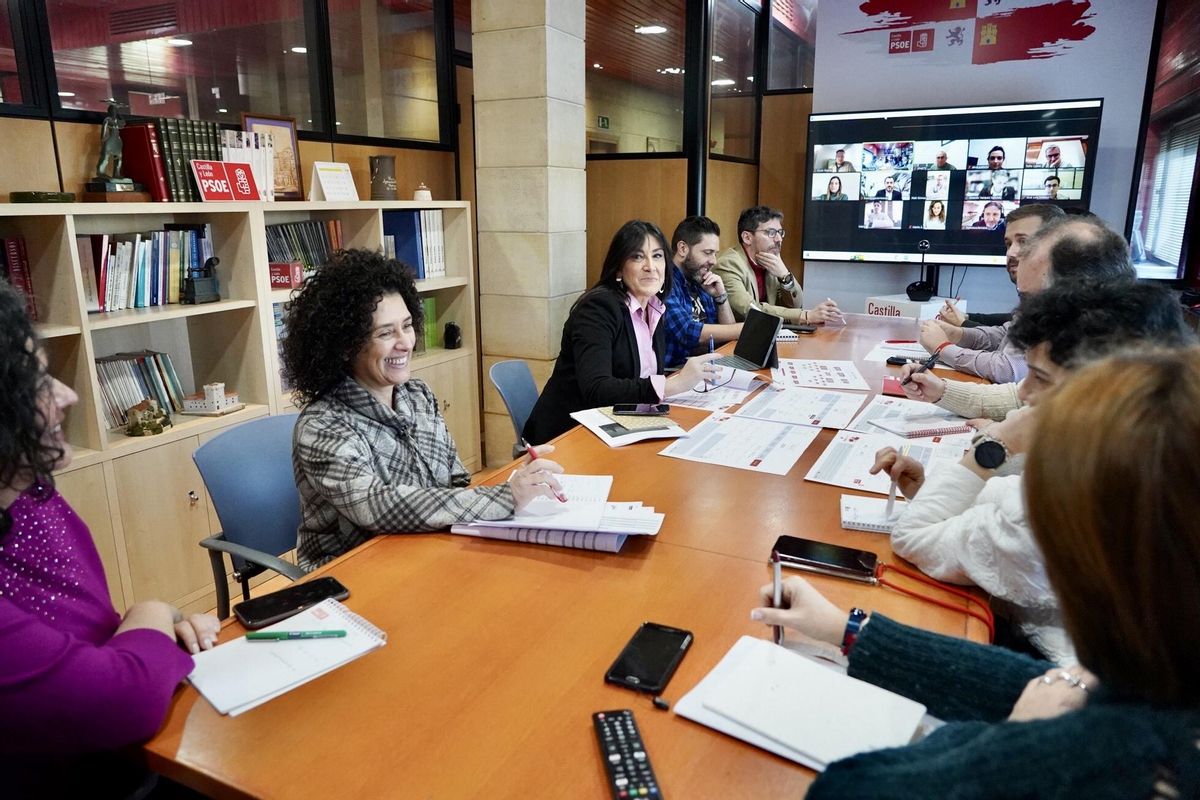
{"points": [[848, 459], [908, 419], [240, 674], [798, 708], [586, 520]]}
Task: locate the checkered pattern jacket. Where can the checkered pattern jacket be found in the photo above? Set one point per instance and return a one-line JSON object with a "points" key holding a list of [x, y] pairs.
{"points": [[364, 469]]}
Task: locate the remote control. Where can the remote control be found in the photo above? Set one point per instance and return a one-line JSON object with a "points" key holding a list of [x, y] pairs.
{"points": [[624, 754]]}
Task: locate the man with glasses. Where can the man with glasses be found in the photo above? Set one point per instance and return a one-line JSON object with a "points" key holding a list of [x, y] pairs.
{"points": [[755, 276], [697, 306]]}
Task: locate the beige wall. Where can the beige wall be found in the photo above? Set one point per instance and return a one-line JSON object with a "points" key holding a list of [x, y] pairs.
{"points": [[636, 115], [652, 189]]}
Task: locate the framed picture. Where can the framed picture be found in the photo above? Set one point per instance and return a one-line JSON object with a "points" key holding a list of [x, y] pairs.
{"points": [[288, 181]]}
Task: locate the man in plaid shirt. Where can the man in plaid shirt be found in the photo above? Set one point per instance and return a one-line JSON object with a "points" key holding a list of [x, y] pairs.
{"points": [[697, 306]]}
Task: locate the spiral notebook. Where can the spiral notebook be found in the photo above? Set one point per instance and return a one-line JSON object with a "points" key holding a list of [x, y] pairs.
{"points": [[240, 674], [869, 514], [920, 427]]}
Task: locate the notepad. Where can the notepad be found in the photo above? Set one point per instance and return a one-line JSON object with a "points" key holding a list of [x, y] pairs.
{"points": [[240, 675], [921, 426], [869, 514], [794, 707]]}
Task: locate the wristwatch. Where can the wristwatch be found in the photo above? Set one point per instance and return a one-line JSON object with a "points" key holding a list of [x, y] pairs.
{"points": [[788, 281], [990, 452], [853, 627], [721, 299]]}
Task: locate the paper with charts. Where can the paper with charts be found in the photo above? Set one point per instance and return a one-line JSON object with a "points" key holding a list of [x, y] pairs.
{"points": [[744, 443], [899, 409], [795, 406], [732, 386], [847, 459], [819, 373]]}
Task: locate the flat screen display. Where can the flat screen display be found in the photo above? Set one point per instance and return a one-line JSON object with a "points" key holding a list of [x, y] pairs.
{"points": [[879, 182]]}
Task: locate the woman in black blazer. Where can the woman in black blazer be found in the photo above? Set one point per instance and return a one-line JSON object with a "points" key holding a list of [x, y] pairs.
{"points": [[600, 362]]}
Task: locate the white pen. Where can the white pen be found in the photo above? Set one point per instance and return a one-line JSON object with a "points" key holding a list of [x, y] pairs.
{"points": [[891, 500], [777, 586]]}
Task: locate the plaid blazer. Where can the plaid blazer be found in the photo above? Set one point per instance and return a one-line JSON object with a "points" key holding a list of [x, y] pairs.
{"points": [[364, 469]]}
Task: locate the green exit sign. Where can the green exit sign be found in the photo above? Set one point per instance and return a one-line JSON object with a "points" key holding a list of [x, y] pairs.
{"points": [[602, 122]]}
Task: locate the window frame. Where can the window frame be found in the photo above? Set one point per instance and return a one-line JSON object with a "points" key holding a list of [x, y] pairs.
{"points": [[23, 19], [35, 37]]}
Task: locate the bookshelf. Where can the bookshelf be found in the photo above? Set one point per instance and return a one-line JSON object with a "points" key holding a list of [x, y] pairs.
{"points": [[142, 497]]}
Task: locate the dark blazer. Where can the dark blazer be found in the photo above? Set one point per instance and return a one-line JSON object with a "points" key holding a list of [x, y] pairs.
{"points": [[598, 365]]}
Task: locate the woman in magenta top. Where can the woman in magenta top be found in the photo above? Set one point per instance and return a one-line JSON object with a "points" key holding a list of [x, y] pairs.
{"points": [[76, 677]]}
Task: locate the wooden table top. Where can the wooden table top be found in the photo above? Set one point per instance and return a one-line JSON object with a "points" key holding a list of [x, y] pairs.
{"points": [[497, 650]]}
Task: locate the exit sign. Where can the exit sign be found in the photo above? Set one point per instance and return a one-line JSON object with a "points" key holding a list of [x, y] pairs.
{"points": [[602, 123]]}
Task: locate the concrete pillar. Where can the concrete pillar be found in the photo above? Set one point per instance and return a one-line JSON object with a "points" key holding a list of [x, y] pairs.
{"points": [[528, 64]]}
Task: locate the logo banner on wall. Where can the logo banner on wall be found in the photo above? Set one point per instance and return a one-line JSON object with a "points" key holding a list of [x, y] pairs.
{"points": [[957, 32]]}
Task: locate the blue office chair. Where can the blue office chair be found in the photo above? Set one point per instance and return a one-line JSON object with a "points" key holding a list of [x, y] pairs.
{"points": [[248, 473], [514, 382]]}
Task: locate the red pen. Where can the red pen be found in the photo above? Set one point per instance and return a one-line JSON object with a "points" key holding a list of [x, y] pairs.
{"points": [[559, 496], [899, 341]]}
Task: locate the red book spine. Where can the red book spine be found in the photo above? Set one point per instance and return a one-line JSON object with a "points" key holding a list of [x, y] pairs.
{"points": [[143, 160], [18, 272]]}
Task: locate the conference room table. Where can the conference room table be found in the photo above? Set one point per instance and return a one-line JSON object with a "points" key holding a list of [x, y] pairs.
{"points": [[497, 650]]}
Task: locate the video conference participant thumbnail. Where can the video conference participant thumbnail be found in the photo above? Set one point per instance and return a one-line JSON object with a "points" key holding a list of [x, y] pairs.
{"points": [[1056, 152], [887, 156], [934, 216], [950, 154], [986, 215], [1050, 184], [886, 185], [837, 157], [828, 186], [886, 214]]}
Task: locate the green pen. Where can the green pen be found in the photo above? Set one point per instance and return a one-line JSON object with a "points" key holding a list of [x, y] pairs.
{"points": [[282, 636]]}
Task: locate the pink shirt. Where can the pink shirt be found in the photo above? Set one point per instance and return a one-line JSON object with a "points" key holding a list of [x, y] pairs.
{"points": [[644, 323]]}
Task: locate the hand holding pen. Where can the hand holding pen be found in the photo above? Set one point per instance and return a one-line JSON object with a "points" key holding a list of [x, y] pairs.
{"points": [[535, 477], [925, 365]]}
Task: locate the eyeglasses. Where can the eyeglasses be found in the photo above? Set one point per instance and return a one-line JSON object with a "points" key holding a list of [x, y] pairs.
{"points": [[773, 233]]}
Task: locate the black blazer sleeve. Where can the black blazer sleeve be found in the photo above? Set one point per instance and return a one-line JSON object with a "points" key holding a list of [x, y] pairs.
{"points": [[597, 365]]}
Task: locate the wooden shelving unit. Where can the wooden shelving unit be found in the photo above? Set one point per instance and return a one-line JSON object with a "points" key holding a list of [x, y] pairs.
{"points": [[142, 496]]}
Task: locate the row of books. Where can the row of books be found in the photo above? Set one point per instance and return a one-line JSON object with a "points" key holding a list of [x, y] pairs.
{"points": [[310, 242], [15, 266], [417, 239], [280, 335], [138, 270], [127, 379], [159, 155], [427, 337]]}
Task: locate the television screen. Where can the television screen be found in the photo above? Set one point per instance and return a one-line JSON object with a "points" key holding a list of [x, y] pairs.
{"points": [[881, 181]]}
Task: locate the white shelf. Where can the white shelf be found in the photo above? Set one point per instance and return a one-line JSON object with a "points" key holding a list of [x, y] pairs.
{"points": [[433, 284], [48, 330]]}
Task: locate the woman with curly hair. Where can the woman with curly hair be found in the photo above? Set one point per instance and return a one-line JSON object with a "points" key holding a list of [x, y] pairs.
{"points": [[613, 344], [371, 451], [77, 680]]}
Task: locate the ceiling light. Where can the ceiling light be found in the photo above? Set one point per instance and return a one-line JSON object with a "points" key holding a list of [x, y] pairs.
{"points": [[300, 50], [179, 42], [597, 66], [66, 94], [672, 70], [723, 82], [718, 59], [222, 110], [648, 29], [749, 77]]}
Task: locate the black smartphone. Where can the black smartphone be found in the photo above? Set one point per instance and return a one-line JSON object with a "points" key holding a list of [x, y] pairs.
{"points": [[641, 409], [790, 326], [276, 606], [650, 658], [827, 559], [898, 361]]}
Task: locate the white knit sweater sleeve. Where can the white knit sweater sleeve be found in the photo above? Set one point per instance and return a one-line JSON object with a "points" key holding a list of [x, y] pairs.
{"points": [[964, 530]]}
